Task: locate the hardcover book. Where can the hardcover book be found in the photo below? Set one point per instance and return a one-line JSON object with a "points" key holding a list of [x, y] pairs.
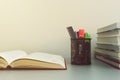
{"points": [[19, 59], [109, 47], [111, 61], [107, 52], [111, 58], [113, 26], [114, 40], [109, 33]]}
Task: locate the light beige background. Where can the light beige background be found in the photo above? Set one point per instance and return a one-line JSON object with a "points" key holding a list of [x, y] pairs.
{"points": [[40, 25]]}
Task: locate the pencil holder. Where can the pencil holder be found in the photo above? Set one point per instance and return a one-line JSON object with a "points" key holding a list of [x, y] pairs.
{"points": [[81, 51]]}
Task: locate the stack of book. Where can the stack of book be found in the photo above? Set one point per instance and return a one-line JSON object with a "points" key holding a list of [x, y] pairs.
{"points": [[108, 45]]}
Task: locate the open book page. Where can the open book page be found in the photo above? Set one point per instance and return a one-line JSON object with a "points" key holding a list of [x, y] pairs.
{"points": [[47, 58], [10, 56]]}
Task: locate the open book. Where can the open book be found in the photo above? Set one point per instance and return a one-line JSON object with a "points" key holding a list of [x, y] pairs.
{"points": [[19, 59]]}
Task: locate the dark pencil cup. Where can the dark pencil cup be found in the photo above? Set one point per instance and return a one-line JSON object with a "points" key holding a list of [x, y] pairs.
{"points": [[81, 51]]}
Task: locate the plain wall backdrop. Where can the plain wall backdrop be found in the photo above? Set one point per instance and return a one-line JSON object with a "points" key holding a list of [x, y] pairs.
{"points": [[40, 25]]}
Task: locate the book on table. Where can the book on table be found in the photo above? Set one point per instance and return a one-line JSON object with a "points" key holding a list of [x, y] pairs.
{"points": [[18, 59], [113, 61]]}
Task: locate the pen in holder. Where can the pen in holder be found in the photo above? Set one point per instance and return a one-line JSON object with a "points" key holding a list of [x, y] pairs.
{"points": [[81, 51]]}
